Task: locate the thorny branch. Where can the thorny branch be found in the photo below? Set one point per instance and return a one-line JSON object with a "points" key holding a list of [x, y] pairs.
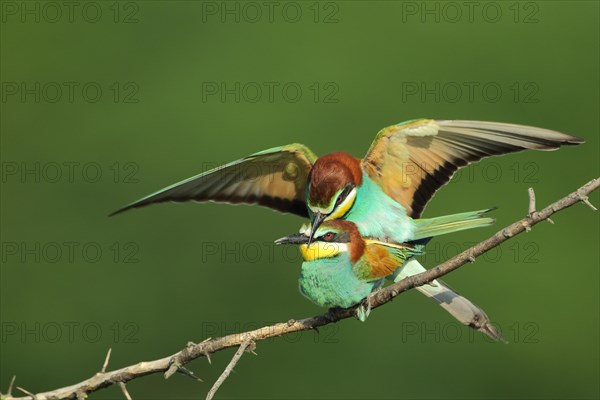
{"points": [[246, 340]]}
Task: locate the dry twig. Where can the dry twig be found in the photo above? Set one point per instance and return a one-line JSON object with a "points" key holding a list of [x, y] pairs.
{"points": [[236, 357]]}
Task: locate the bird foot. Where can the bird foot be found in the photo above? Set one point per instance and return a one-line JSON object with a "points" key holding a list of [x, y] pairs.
{"points": [[363, 310], [333, 311]]}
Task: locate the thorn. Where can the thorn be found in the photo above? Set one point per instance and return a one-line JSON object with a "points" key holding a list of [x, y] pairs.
{"points": [[172, 369], [206, 353], [291, 322], [432, 284], [586, 201], [183, 370], [527, 228], [507, 233], [124, 390], [549, 220], [81, 395], [190, 344], [531, 202], [471, 259], [10, 386], [106, 360], [201, 343], [251, 347], [27, 392]]}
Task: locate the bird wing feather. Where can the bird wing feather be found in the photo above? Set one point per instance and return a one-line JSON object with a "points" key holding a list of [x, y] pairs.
{"points": [[381, 259], [410, 161], [274, 178]]}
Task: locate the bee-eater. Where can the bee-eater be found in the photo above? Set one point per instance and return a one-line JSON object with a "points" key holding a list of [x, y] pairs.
{"points": [[384, 193], [341, 268]]}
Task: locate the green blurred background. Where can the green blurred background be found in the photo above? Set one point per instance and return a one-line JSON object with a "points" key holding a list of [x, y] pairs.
{"points": [[164, 90]]}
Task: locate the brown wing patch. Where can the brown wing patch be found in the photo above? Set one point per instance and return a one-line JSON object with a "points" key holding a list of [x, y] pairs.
{"points": [[381, 262], [411, 161]]}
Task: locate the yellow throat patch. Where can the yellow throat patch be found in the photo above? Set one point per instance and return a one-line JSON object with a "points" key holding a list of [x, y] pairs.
{"points": [[318, 250], [343, 208]]}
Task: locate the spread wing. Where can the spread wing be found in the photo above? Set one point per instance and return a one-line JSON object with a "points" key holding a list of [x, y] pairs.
{"points": [[274, 178], [412, 160], [381, 259]]}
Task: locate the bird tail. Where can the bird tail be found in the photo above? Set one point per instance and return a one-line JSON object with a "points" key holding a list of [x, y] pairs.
{"points": [[458, 306], [428, 227]]}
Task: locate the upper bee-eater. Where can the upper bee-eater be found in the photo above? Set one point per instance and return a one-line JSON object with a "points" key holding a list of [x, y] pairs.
{"points": [[384, 193], [341, 268]]}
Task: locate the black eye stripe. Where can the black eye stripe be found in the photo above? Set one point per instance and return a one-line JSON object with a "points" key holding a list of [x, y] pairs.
{"points": [[344, 194], [339, 237]]}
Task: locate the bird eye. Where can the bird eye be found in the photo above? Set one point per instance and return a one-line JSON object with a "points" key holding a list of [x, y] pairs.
{"points": [[343, 195], [328, 236]]}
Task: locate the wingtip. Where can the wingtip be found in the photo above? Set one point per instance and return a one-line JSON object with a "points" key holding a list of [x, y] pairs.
{"points": [[119, 211], [112, 214], [568, 141]]}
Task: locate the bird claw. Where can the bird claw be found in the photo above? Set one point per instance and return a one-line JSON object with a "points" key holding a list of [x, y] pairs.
{"points": [[363, 310], [331, 313]]}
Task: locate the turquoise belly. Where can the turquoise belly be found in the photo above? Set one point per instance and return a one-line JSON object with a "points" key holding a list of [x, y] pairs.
{"points": [[331, 283]]}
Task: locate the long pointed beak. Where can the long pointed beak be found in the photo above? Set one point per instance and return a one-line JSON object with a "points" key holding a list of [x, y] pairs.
{"points": [[296, 238], [316, 222]]}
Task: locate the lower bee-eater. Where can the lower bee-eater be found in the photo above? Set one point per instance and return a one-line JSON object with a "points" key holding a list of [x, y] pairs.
{"points": [[341, 268]]}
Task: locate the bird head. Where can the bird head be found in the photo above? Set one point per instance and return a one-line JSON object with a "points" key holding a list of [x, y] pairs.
{"points": [[331, 239], [332, 188]]}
